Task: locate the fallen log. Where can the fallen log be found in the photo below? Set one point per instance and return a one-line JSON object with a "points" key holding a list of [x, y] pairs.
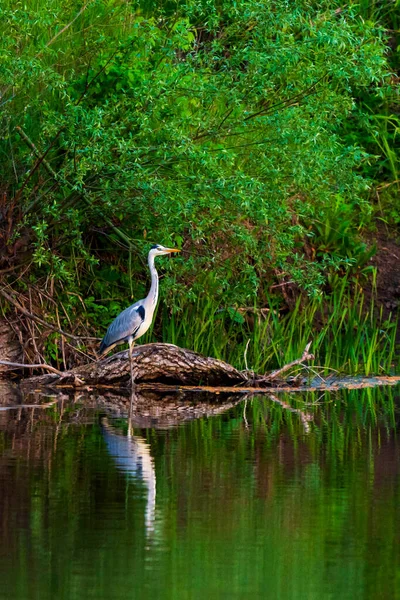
{"points": [[166, 368], [161, 363]]}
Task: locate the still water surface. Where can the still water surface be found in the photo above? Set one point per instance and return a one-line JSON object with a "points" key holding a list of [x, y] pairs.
{"points": [[291, 499]]}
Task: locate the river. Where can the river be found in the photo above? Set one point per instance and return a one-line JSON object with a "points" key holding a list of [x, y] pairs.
{"points": [[282, 497]]}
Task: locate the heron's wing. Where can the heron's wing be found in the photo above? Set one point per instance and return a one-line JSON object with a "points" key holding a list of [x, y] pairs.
{"points": [[124, 326]]}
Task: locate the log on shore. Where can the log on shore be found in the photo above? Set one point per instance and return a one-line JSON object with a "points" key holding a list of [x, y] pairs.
{"points": [[161, 363]]}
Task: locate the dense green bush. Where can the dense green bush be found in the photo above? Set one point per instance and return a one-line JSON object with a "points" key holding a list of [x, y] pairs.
{"points": [[233, 129]]}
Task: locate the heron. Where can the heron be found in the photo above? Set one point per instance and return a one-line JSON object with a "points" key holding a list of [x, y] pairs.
{"points": [[135, 320]]}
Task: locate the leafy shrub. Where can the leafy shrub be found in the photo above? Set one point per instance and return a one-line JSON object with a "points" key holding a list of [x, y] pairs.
{"points": [[218, 126]]}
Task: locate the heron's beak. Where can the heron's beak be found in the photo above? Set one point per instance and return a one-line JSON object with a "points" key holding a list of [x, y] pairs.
{"points": [[173, 250]]}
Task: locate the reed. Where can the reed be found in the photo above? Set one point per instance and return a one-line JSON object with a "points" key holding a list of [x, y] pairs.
{"points": [[346, 334]]}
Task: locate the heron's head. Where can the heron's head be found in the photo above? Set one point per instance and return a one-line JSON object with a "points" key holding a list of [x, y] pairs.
{"points": [[158, 250]]}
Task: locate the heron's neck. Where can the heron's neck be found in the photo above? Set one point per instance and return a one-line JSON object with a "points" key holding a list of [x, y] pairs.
{"points": [[153, 293]]}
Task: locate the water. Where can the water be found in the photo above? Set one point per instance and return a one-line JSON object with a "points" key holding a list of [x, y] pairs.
{"points": [[282, 498]]}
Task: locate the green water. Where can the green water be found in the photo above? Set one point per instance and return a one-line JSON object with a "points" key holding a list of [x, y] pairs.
{"points": [[283, 500]]}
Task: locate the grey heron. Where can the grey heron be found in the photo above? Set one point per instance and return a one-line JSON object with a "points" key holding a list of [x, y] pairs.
{"points": [[135, 320]]}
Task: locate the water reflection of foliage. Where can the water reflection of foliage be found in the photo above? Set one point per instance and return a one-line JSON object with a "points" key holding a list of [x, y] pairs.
{"points": [[299, 502], [262, 506]]}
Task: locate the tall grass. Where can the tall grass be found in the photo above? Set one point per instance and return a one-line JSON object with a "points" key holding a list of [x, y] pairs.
{"points": [[346, 335], [386, 137]]}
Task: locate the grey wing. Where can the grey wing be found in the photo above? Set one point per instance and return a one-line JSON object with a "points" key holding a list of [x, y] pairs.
{"points": [[124, 326]]}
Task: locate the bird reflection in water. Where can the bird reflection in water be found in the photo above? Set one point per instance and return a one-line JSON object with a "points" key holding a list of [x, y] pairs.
{"points": [[131, 454]]}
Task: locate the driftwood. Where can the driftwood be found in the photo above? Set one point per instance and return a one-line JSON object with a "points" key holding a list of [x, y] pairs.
{"points": [[167, 369], [161, 363], [164, 364]]}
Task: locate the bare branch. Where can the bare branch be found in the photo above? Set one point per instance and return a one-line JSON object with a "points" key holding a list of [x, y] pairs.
{"points": [[306, 356], [32, 366], [41, 321], [245, 354]]}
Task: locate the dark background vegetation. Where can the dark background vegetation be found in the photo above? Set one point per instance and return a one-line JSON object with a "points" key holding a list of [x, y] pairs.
{"points": [[260, 137]]}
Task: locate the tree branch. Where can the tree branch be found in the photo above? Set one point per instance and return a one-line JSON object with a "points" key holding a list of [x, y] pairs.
{"points": [[32, 366], [41, 321], [306, 356]]}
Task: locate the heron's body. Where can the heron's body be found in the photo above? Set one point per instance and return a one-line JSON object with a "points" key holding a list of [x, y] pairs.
{"points": [[135, 320], [131, 324]]}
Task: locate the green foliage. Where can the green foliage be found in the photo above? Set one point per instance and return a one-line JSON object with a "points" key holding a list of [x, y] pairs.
{"points": [[228, 128]]}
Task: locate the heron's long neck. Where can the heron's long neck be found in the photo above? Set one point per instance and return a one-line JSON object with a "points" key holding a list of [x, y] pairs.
{"points": [[153, 293]]}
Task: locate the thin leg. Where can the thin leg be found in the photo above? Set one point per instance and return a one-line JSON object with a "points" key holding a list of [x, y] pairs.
{"points": [[131, 344], [132, 404]]}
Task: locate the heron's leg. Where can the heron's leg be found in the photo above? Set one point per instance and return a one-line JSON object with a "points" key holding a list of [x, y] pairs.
{"points": [[132, 403], [131, 344]]}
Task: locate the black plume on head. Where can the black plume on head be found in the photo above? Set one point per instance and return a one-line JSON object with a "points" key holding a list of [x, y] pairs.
{"points": [[154, 247]]}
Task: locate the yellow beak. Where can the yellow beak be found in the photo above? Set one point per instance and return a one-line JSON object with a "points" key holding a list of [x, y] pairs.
{"points": [[173, 250]]}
